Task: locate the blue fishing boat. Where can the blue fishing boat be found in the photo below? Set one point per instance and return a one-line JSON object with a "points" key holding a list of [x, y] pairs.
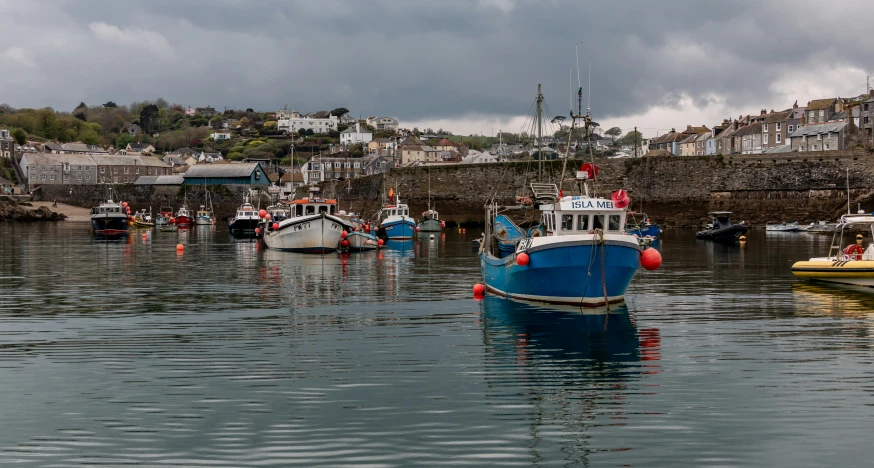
{"points": [[395, 220], [645, 228], [578, 254]]}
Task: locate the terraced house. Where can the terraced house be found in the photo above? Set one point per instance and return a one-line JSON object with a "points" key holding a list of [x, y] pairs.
{"points": [[88, 169]]}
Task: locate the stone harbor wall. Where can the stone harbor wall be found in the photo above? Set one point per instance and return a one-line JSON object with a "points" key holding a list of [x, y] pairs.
{"points": [[675, 191]]}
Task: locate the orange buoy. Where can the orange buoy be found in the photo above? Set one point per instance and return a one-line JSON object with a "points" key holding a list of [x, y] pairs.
{"points": [[479, 289], [380, 242], [522, 259], [180, 247], [257, 230], [144, 235], [345, 242], [650, 259], [268, 217], [275, 226], [172, 220], [344, 234], [262, 213]]}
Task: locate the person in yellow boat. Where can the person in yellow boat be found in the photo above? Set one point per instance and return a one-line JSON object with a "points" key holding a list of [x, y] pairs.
{"points": [[855, 251]]}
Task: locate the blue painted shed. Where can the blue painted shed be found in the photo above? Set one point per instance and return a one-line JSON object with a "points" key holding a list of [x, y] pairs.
{"points": [[226, 174]]}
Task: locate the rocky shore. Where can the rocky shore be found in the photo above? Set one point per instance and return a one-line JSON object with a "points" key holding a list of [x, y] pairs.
{"points": [[12, 211]]}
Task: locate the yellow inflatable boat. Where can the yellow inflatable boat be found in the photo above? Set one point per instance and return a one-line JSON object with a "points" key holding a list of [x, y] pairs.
{"points": [[852, 264]]}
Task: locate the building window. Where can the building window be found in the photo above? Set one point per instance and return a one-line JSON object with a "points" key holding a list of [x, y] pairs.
{"points": [[43, 177], [779, 126], [125, 170], [827, 146], [357, 165], [779, 138], [866, 117], [810, 116], [115, 170], [791, 128], [765, 126], [66, 176], [87, 176], [765, 139], [52, 177], [138, 170], [821, 115], [865, 106]]}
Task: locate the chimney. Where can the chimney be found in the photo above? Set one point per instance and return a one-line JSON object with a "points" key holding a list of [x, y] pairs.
{"points": [[795, 106], [764, 111]]}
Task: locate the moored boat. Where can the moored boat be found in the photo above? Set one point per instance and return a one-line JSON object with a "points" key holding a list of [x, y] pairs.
{"points": [[821, 227], [143, 218], [313, 227], [110, 219], [430, 222], [205, 215], [245, 221], [722, 229], [782, 227], [164, 215], [395, 221], [361, 241], [847, 262], [183, 216], [644, 228]]}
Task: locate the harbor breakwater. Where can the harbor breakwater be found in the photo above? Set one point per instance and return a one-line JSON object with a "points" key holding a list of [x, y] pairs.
{"points": [[675, 191]]}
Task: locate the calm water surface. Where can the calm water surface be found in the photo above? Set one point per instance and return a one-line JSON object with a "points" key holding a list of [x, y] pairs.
{"points": [[230, 355]]}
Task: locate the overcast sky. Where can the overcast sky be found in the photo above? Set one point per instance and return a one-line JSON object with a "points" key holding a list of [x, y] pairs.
{"points": [[468, 66]]}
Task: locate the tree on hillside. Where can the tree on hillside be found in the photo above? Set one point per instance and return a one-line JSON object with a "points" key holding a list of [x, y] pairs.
{"points": [[81, 116], [110, 104], [613, 133], [631, 138], [340, 111], [148, 118], [81, 105], [19, 135]]}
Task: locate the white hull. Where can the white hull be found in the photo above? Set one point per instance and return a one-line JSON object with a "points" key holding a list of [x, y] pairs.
{"points": [[313, 234], [204, 221], [362, 242]]}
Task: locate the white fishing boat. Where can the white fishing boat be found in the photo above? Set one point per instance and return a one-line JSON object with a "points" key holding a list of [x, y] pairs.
{"points": [[313, 227], [245, 221]]}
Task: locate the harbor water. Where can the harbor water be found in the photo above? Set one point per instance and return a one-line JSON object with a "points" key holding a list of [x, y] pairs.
{"points": [[128, 353]]}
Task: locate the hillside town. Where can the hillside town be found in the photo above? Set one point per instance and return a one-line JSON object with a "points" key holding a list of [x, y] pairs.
{"points": [[159, 143]]}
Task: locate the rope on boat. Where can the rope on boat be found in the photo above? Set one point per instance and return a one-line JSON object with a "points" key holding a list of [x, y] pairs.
{"points": [[600, 233]]}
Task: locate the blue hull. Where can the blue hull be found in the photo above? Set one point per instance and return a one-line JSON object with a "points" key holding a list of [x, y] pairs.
{"points": [[400, 229], [643, 231], [566, 273]]}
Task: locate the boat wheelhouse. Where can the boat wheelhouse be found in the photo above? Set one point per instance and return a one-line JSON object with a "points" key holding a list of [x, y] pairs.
{"points": [[313, 227]]}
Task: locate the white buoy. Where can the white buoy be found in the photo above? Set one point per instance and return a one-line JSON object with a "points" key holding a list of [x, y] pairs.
{"points": [[432, 236]]}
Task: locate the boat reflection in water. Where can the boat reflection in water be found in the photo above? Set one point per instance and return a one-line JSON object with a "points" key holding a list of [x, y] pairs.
{"points": [[833, 300], [576, 369]]}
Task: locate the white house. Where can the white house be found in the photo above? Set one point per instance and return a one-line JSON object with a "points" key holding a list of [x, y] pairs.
{"points": [[190, 111], [355, 135], [209, 157], [220, 136], [383, 123], [293, 122]]}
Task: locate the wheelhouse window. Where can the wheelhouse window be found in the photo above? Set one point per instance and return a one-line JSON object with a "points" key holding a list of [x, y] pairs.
{"points": [[614, 223], [323, 209], [598, 222], [582, 222], [298, 210], [311, 209], [567, 222]]}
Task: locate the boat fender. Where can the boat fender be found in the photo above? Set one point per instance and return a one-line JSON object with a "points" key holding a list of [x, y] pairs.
{"points": [[522, 259], [854, 252]]}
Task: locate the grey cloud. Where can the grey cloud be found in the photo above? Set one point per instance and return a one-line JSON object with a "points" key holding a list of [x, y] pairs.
{"points": [[418, 60]]}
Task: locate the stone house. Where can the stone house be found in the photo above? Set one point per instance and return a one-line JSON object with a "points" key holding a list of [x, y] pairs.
{"points": [[829, 136], [88, 169], [133, 130], [748, 140], [7, 144], [775, 129], [866, 121], [822, 110], [207, 111]]}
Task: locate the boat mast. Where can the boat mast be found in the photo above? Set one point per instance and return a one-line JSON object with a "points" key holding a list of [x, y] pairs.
{"points": [[539, 134], [848, 190]]}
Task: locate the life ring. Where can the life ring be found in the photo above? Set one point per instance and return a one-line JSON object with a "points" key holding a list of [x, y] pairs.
{"points": [[854, 252]]}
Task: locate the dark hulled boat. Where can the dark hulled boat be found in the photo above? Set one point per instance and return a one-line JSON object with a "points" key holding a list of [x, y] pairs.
{"points": [[722, 229], [110, 219]]}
